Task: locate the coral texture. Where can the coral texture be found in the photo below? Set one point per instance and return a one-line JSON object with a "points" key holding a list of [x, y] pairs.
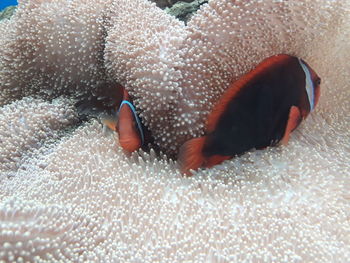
{"points": [[25, 125], [52, 47], [71, 195]]}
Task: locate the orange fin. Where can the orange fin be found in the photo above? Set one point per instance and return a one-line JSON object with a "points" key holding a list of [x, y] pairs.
{"points": [[190, 155], [110, 122], [294, 119], [126, 95], [216, 159]]}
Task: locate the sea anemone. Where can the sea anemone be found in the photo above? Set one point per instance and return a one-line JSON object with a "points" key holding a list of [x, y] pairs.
{"points": [[70, 194]]}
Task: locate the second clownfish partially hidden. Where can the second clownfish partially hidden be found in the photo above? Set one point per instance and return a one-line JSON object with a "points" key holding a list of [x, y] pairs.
{"points": [[261, 109]]}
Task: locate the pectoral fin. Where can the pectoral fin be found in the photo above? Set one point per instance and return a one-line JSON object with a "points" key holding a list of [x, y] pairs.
{"points": [[110, 122], [294, 119]]}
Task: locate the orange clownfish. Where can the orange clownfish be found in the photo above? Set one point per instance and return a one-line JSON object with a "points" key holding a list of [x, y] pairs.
{"points": [[128, 125], [113, 105], [261, 109]]}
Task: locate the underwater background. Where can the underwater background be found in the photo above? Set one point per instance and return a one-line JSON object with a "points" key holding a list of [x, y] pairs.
{"points": [[6, 3], [68, 192]]}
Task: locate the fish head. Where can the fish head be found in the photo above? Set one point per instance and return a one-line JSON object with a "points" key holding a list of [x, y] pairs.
{"points": [[312, 87]]}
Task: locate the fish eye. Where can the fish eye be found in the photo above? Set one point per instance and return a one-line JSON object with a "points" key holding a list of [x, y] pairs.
{"points": [[318, 81]]}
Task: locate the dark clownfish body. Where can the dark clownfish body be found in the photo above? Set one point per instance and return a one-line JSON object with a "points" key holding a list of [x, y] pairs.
{"points": [[261, 109]]}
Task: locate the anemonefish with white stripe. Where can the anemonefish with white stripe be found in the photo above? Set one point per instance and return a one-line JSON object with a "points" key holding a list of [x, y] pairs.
{"points": [[133, 135], [261, 109], [114, 107]]}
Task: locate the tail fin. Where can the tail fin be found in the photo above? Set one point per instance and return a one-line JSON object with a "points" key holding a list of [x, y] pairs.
{"points": [[294, 119], [190, 155], [126, 95]]}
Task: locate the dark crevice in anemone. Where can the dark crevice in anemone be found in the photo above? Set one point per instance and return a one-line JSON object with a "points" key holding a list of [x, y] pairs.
{"points": [[181, 9]]}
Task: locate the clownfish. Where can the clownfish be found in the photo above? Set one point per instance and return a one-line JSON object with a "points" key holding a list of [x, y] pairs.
{"points": [[114, 107], [133, 135], [261, 109]]}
